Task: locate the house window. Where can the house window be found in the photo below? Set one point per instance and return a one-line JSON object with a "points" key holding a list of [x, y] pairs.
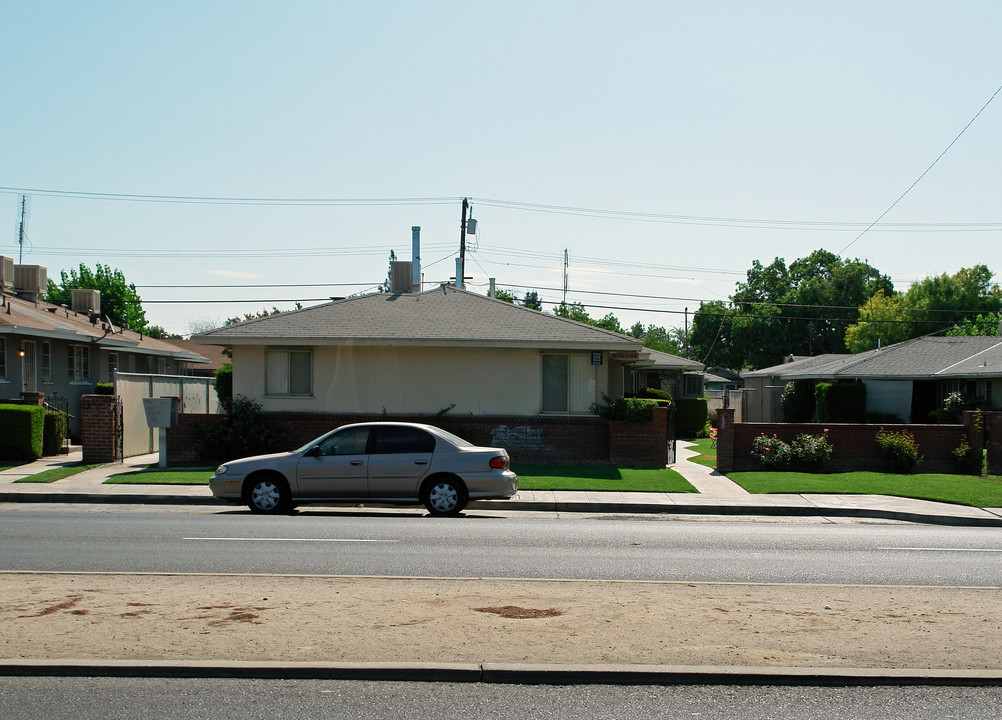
{"points": [[149, 365], [161, 366], [132, 363], [569, 384], [46, 362], [3, 358], [79, 363], [693, 385], [288, 372], [112, 366]]}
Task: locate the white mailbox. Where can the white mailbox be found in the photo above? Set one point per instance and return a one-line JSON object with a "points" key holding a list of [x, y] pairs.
{"points": [[161, 412]]}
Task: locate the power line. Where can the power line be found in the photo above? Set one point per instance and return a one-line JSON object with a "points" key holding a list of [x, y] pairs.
{"points": [[210, 200], [976, 115]]}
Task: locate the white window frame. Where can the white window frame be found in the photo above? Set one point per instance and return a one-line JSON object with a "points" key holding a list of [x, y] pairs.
{"points": [[46, 361], [279, 367], [580, 383], [78, 363]]}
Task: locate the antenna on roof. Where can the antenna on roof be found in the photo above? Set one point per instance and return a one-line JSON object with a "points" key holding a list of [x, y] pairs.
{"points": [[22, 228]]}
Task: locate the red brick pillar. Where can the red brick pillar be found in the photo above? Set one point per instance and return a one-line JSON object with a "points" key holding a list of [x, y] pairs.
{"points": [[725, 440], [32, 398], [97, 428]]}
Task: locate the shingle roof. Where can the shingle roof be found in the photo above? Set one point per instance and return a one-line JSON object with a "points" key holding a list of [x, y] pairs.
{"points": [[441, 317], [43, 320], [925, 357], [657, 360]]}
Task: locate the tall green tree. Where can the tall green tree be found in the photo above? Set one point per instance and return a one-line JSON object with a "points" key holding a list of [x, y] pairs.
{"points": [[119, 300], [532, 301]]}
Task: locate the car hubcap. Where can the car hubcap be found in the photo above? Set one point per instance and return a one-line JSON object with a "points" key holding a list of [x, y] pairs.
{"points": [[444, 497], [265, 496]]}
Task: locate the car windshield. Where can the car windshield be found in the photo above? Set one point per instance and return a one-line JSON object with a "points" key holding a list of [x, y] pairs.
{"points": [[310, 444]]}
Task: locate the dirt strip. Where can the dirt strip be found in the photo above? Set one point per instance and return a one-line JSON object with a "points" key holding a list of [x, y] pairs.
{"points": [[268, 618]]}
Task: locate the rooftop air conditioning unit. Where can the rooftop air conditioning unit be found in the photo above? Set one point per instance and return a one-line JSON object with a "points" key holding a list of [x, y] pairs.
{"points": [[86, 301], [6, 273], [30, 279], [401, 277]]}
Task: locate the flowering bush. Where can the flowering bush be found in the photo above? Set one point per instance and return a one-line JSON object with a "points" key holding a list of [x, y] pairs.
{"points": [[771, 451], [900, 448], [812, 450]]}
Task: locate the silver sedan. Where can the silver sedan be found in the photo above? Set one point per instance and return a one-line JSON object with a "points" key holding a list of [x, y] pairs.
{"points": [[383, 462]]}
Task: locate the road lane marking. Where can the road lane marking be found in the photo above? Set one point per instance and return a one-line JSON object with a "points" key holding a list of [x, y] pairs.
{"points": [[934, 549], [254, 539]]}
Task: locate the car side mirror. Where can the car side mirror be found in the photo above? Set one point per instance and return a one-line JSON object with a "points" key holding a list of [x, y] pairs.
{"points": [[312, 452]]}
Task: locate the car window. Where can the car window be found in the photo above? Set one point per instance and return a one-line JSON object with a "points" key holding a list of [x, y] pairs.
{"points": [[403, 440], [346, 442]]}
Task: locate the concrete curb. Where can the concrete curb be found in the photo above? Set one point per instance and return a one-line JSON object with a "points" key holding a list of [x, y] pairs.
{"points": [[566, 507], [501, 673]]}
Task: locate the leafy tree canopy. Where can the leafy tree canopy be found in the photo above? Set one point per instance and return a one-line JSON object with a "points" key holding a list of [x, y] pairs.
{"points": [[119, 300]]}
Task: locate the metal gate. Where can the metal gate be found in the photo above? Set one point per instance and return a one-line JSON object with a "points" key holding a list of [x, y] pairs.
{"points": [[671, 433], [197, 395]]}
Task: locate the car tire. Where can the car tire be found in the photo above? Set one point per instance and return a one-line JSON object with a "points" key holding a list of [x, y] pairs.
{"points": [[444, 496], [269, 494]]}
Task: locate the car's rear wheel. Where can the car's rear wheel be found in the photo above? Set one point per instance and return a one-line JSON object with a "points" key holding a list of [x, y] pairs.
{"points": [[444, 496], [269, 494]]}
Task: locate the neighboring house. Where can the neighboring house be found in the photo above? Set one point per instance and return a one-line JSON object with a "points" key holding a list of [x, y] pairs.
{"points": [[908, 380], [62, 352], [661, 371], [426, 352], [214, 357], [718, 379]]}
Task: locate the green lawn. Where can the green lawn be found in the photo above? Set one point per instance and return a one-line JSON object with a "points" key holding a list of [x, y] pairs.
{"points": [[153, 475], [57, 473], [599, 477], [960, 489], [707, 455]]}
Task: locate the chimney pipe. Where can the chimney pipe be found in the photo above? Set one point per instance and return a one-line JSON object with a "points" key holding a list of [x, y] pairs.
{"points": [[416, 257], [493, 291]]}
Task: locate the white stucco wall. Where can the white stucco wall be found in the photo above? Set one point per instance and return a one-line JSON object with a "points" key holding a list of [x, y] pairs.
{"points": [[889, 396], [480, 381]]}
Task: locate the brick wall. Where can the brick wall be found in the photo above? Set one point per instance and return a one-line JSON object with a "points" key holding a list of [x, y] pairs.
{"points": [[855, 446], [97, 428], [992, 440], [527, 439]]}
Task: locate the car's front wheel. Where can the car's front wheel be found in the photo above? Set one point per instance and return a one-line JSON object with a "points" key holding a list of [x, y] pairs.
{"points": [[444, 496], [269, 495]]}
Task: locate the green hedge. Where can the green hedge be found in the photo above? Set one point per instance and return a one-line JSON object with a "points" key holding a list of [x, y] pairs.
{"points": [[21, 431], [634, 410], [798, 401], [840, 402], [690, 416], [55, 432]]}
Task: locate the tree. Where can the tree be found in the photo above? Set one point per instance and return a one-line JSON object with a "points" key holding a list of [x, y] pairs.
{"points": [[119, 300], [260, 314], [574, 311], [502, 294], [387, 285], [609, 322], [987, 325], [881, 321], [532, 301]]}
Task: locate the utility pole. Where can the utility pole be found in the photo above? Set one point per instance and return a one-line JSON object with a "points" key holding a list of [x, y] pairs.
{"points": [[687, 333], [461, 265], [20, 231], [565, 276]]}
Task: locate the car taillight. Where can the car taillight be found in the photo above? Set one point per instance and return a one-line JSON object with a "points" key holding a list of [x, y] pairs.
{"points": [[499, 463]]}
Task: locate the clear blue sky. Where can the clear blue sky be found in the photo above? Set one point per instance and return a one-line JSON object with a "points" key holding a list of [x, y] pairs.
{"points": [[815, 116]]}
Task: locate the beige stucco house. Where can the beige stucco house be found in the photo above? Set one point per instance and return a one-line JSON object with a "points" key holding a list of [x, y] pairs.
{"points": [[420, 353]]}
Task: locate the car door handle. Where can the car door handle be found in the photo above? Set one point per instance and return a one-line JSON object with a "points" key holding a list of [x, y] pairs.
{"points": [[420, 462], [357, 462]]}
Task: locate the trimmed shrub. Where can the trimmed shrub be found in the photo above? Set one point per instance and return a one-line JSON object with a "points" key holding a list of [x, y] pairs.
{"points": [[224, 386], [900, 449], [840, 402], [21, 430], [104, 388], [690, 416], [771, 451], [245, 432], [54, 433], [798, 401], [654, 394], [633, 410]]}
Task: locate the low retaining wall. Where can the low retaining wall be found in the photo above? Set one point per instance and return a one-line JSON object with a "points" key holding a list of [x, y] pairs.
{"points": [[855, 446], [536, 439]]}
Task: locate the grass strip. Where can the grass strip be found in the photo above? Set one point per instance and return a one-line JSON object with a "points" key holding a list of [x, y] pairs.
{"points": [[154, 475], [57, 473], [707, 455], [971, 490], [599, 478]]}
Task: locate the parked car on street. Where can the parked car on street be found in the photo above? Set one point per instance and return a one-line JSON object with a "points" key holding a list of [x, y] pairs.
{"points": [[380, 462]]}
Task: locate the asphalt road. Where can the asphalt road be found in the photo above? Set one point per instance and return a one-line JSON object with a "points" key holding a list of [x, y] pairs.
{"points": [[151, 699], [506, 545]]}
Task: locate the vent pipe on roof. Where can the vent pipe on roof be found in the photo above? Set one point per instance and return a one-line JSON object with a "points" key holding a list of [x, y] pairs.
{"points": [[416, 257]]}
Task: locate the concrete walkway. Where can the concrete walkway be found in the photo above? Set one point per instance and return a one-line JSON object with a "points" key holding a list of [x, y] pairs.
{"points": [[717, 495]]}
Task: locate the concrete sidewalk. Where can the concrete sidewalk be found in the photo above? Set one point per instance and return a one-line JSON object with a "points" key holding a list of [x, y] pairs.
{"points": [[716, 495]]}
